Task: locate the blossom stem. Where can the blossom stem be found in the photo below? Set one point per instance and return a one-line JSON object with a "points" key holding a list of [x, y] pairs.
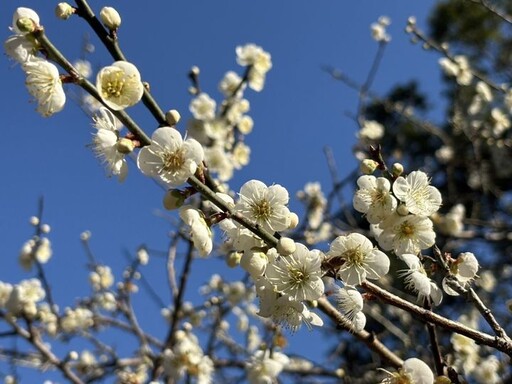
{"points": [[112, 45]]}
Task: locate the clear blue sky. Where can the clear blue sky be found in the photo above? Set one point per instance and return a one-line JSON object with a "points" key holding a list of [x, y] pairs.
{"points": [[300, 111]]}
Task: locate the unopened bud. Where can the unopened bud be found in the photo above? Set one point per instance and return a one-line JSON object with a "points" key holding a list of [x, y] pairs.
{"points": [[73, 355], [294, 220], [195, 70], [26, 25], [125, 146], [173, 199], [172, 117], [233, 259], [110, 18], [285, 246], [368, 166], [402, 210], [397, 169], [63, 11]]}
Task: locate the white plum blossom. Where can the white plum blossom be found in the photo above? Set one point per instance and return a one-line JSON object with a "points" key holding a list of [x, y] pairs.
{"points": [[101, 278], [419, 196], [359, 259], [229, 84], [350, 302], [378, 30], [406, 234], [187, 358], [500, 120], [169, 157], [83, 67], [19, 48], [263, 368], [24, 296], [44, 84], [199, 231], [259, 62], [416, 279], [374, 198], [291, 314], [413, 371], [265, 205], [464, 269], [457, 67], [203, 107], [119, 85], [77, 319], [108, 146], [254, 263], [315, 201], [298, 275], [371, 130], [488, 371], [220, 162]]}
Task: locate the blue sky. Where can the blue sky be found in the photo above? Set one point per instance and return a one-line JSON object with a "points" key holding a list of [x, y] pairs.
{"points": [[300, 110]]}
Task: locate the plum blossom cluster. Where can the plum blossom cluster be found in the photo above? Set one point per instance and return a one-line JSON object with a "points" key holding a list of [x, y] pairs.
{"points": [[399, 213], [119, 85], [221, 130]]}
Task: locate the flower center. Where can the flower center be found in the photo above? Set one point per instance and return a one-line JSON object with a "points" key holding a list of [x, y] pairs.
{"points": [[262, 210], [407, 229], [400, 378], [378, 196], [297, 276], [354, 256], [114, 85], [173, 161]]}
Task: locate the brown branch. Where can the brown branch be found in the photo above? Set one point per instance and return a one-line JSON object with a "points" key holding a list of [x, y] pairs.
{"points": [[366, 337], [499, 343]]}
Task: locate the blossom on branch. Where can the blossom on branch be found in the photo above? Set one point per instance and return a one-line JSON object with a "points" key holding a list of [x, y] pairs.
{"points": [[119, 85], [413, 371], [108, 146], [374, 198], [419, 196], [169, 157], [297, 275], [359, 259], [265, 205], [44, 84]]}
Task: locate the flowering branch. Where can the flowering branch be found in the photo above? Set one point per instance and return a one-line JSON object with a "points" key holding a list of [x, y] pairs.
{"points": [[501, 344], [112, 45]]}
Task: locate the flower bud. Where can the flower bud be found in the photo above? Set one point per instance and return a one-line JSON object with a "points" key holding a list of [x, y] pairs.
{"points": [[397, 169], [254, 263], [368, 166], [125, 146], [194, 71], [285, 246], [26, 25], [172, 117], [110, 18], [294, 220], [63, 11], [402, 210], [233, 259], [173, 199]]}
